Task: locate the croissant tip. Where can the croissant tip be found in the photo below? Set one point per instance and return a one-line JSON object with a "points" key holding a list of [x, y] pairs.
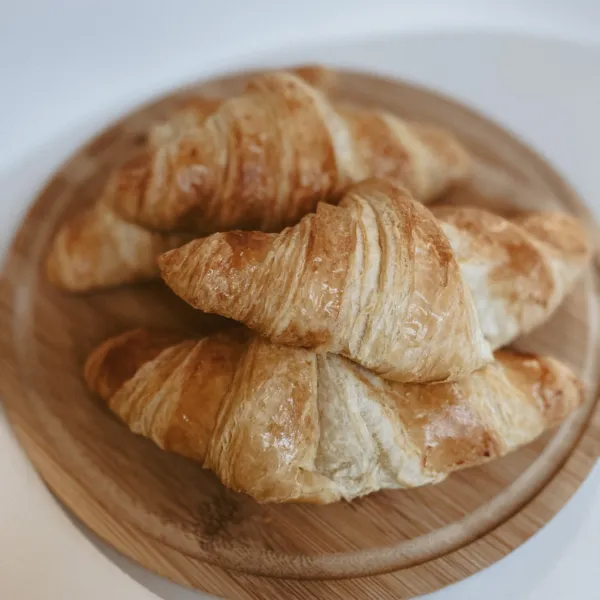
{"points": [[564, 232], [51, 268], [66, 267], [116, 360], [93, 366], [166, 260], [57, 271]]}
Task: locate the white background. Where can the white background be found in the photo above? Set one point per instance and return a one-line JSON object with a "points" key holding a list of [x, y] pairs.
{"points": [[68, 66]]}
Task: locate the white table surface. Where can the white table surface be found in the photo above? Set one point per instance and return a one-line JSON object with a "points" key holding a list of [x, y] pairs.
{"points": [[68, 66]]}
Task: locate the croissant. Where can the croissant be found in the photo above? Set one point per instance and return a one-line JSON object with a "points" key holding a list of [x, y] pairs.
{"points": [[190, 114], [97, 248], [193, 111], [268, 156], [286, 424], [380, 280], [519, 270]]}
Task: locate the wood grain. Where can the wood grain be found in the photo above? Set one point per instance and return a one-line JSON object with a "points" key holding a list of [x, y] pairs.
{"points": [[176, 519]]}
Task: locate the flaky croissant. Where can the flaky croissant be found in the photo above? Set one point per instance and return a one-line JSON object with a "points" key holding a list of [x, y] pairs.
{"points": [[193, 111], [97, 248], [285, 424], [268, 156], [519, 270], [189, 115], [380, 280]]}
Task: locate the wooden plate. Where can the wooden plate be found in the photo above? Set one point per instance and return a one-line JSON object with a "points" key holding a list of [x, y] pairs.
{"points": [[176, 519]]}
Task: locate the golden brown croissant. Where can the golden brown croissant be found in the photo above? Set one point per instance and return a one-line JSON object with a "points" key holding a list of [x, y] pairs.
{"points": [[267, 157], [97, 248], [520, 269], [193, 111], [190, 114], [285, 424], [380, 280]]}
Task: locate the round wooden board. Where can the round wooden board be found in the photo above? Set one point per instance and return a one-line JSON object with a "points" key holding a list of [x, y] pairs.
{"points": [[175, 518]]}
